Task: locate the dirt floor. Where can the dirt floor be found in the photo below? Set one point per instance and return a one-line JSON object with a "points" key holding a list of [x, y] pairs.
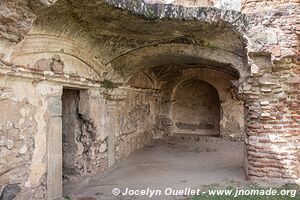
{"points": [[174, 164]]}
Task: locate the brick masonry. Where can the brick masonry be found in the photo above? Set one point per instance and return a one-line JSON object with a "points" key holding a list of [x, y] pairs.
{"points": [[272, 100], [261, 43]]}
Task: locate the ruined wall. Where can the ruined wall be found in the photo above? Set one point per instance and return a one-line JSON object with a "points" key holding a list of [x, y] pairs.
{"points": [[231, 122], [182, 2], [31, 129], [272, 90], [254, 5], [26, 107], [195, 108], [222, 4], [16, 19], [273, 30], [31, 103], [108, 124], [135, 122], [101, 126], [144, 79], [84, 142], [36, 53], [123, 122], [273, 120]]}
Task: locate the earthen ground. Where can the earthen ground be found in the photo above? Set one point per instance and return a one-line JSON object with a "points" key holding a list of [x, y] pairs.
{"points": [[176, 164]]}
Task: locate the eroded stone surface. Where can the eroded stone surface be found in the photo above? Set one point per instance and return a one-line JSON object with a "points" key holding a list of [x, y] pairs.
{"points": [[126, 58]]}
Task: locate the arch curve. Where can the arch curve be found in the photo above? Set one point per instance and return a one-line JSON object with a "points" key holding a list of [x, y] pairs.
{"points": [[195, 108], [174, 53]]}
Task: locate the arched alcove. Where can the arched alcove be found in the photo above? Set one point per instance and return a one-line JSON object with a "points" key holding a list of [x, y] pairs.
{"points": [[195, 108]]}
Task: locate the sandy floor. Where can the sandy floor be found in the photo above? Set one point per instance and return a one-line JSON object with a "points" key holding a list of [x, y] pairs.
{"points": [[173, 164]]}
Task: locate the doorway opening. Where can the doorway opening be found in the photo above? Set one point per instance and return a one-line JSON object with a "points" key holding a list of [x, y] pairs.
{"points": [[77, 136], [70, 131]]}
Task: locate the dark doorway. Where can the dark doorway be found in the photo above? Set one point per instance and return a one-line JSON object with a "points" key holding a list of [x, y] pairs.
{"points": [[71, 130]]}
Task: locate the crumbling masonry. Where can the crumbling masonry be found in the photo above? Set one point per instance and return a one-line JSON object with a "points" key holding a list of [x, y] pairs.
{"points": [[83, 84]]}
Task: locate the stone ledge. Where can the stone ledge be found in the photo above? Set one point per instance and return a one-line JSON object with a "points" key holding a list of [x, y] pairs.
{"points": [[168, 11]]}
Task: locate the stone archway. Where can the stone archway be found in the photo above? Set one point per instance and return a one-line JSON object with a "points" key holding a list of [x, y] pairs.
{"points": [[195, 108]]}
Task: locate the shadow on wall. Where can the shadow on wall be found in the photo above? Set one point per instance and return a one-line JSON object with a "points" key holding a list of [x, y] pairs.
{"points": [[195, 108]]}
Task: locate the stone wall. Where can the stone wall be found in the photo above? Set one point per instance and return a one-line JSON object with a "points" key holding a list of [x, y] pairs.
{"points": [[26, 108], [99, 124], [16, 19], [103, 127], [274, 30], [84, 142], [222, 4], [272, 90], [102, 43], [273, 121], [231, 122], [195, 108], [194, 3], [135, 122], [251, 6]]}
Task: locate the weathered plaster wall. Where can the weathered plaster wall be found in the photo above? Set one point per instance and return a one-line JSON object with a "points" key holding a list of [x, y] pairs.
{"points": [[135, 122], [144, 79], [195, 108], [231, 123], [78, 60], [84, 135], [103, 43], [106, 125], [26, 106], [84, 144], [97, 37], [82, 54]]}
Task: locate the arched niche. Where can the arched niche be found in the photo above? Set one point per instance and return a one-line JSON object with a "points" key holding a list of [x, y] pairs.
{"points": [[195, 108]]}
